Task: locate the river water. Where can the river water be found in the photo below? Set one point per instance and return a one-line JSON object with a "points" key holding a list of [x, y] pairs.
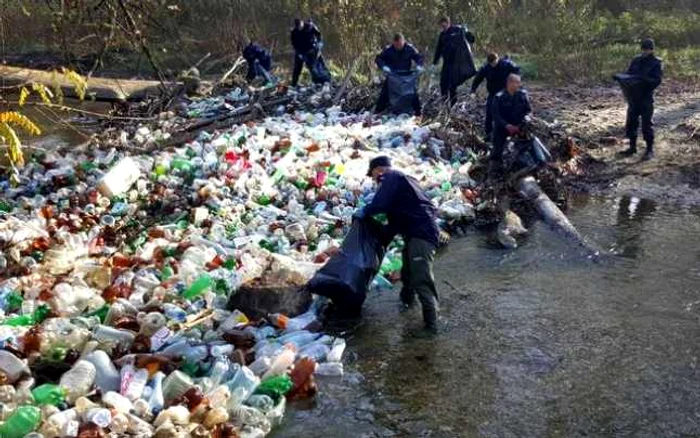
{"points": [[538, 342]]}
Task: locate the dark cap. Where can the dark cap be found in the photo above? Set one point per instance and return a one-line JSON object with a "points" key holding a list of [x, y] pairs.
{"points": [[380, 161], [647, 44]]}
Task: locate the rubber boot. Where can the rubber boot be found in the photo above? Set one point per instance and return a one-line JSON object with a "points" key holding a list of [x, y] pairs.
{"points": [[649, 154], [631, 150]]}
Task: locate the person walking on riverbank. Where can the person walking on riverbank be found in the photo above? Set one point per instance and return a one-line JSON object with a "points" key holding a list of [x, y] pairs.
{"points": [[412, 215]]}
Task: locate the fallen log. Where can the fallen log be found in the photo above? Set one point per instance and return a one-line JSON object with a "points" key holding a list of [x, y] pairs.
{"points": [[552, 215]]}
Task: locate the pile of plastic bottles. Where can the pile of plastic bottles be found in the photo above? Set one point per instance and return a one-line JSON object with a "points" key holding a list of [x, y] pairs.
{"points": [[116, 270]]}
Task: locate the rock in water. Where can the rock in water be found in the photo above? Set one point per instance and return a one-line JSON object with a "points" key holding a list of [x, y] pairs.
{"points": [[510, 226]]}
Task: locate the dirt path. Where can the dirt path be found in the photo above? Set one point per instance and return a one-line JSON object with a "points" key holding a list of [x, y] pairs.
{"points": [[597, 117]]}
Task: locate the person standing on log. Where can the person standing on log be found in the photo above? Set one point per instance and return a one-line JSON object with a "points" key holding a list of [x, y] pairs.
{"points": [[457, 61], [412, 215], [496, 71], [259, 61], [646, 71], [307, 43], [398, 57], [509, 108]]}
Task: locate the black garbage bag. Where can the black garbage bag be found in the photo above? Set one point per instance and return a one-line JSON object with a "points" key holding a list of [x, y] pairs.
{"points": [[631, 85], [348, 274], [402, 91], [319, 72]]}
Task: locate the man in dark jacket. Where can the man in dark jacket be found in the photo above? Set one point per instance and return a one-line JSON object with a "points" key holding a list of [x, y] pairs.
{"points": [[644, 76], [398, 58], [457, 61], [509, 108], [496, 72], [412, 215], [259, 61], [307, 44]]}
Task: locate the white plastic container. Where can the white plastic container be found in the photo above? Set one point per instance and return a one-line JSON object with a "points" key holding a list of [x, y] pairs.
{"points": [[119, 178]]}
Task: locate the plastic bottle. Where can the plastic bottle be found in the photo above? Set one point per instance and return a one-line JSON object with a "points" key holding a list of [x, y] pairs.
{"points": [[317, 351], [49, 394], [198, 287], [117, 402], [331, 369], [78, 380], [292, 324], [157, 401], [275, 387], [337, 350], [282, 362], [11, 366], [175, 385], [133, 382], [23, 421], [242, 385], [107, 377]]}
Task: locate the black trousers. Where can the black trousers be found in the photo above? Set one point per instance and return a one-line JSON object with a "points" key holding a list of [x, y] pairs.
{"points": [[417, 278], [488, 120], [383, 101], [643, 109], [299, 61], [500, 136]]}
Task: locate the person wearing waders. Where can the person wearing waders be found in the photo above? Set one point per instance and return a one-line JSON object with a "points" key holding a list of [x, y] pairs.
{"points": [[457, 61], [412, 215], [496, 71], [398, 57], [509, 108], [647, 68]]}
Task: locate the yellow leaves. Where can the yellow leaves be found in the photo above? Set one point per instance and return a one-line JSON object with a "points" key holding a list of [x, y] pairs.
{"points": [[15, 118], [43, 92], [23, 95], [14, 146], [79, 82]]}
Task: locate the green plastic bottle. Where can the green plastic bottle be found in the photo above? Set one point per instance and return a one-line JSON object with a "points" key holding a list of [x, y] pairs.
{"points": [[25, 420], [198, 287], [166, 273], [275, 387], [37, 317], [49, 394]]}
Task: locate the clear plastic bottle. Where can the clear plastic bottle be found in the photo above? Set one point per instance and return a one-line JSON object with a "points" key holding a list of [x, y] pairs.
{"points": [[157, 401], [78, 380], [107, 377], [330, 369], [282, 362], [337, 350]]}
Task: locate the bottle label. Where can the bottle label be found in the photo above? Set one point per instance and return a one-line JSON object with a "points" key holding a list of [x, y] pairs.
{"points": [[159, 338]]}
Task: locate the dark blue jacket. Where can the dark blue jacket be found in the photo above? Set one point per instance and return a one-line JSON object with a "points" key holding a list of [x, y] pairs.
{"points": [[254, 52], [399, 60], [305, 39], [495, 76], [510, 110], [648, 69], [410, 212], [456, 53]]}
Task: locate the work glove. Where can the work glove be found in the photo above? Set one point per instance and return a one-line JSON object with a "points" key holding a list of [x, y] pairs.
{"points": [[472, 95], [386, 69], [419, 69], [359, 213], [512, 130], [443, 238]]}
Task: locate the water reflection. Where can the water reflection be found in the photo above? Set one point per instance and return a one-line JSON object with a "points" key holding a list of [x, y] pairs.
{"points": [[632, 214]]}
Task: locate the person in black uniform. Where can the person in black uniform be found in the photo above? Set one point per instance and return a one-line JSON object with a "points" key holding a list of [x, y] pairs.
{"points": [[398, 57], [509, 108], [259, 61], [457, 61], [412, 215], [496, 71], [646, 72], [307, 43]]}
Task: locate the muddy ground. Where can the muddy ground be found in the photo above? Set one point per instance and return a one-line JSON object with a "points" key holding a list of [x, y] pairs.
{"points": [[595, 116]]}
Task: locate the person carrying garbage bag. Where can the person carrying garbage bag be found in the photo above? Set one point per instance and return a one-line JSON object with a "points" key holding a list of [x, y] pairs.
{"points": [[308, 43], [396, 61], [412, 215], [457, 60], [259, 62]]}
